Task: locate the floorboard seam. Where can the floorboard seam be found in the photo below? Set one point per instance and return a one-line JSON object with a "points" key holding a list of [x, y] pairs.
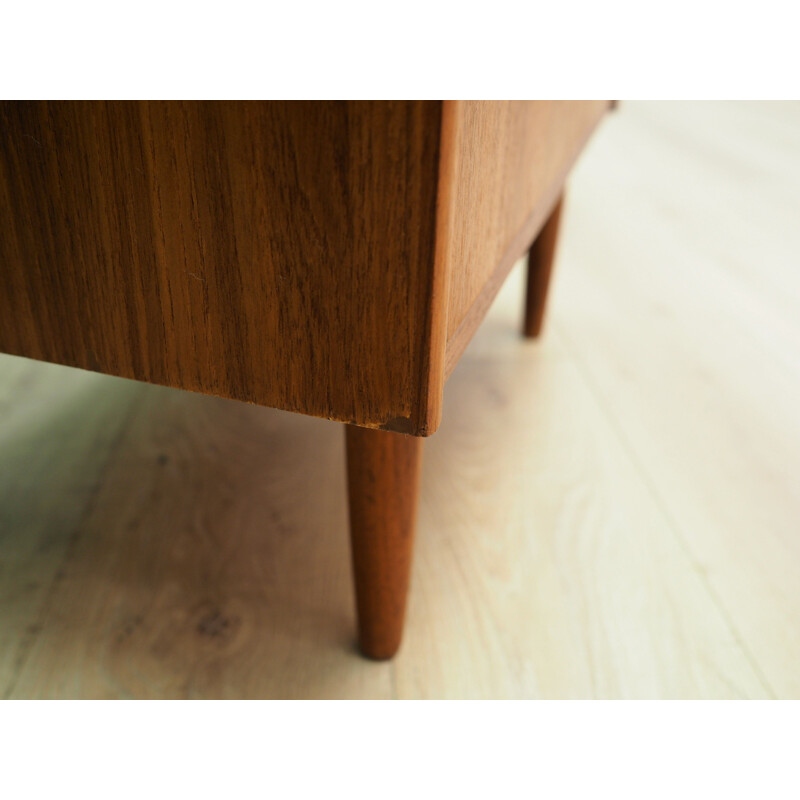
{"points": [[585, 375]]}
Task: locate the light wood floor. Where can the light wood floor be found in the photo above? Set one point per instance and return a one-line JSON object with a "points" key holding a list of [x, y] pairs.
{"points": [[613, 511]]}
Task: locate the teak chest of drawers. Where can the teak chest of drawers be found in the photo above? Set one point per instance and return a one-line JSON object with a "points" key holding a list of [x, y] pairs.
{"points": [[327, 258]]}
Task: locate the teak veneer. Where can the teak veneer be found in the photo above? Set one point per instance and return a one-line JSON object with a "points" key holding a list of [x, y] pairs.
{"points": [[327, 258]]}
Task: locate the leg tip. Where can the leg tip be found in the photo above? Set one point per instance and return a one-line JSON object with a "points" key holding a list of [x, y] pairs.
{"points": [[532, 331], [378, 650]]}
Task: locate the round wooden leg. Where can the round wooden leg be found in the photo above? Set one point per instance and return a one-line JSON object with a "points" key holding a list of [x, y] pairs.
{"points": [[383, 485], [540, 267]]}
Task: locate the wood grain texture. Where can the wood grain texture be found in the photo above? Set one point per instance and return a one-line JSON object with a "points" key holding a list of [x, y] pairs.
{"points": [[216, 532], [513, 160], [279, 253], [540, 267], [328, 258], [383, 487], [58, 430], [601, 515], [707, 390]]}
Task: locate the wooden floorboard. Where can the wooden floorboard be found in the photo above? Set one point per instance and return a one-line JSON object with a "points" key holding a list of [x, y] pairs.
{"points": [[687, 329]]}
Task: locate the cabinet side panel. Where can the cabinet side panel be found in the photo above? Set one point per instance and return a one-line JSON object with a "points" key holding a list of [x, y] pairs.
{"points": [[514, 158], [279, 253]]}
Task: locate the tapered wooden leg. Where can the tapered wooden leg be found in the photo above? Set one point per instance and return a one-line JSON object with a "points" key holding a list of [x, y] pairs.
{"points": [[383, 485], [540, 266]]}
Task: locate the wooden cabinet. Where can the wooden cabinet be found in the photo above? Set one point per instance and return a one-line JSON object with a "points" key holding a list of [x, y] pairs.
{"points": [[327, 258]]}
